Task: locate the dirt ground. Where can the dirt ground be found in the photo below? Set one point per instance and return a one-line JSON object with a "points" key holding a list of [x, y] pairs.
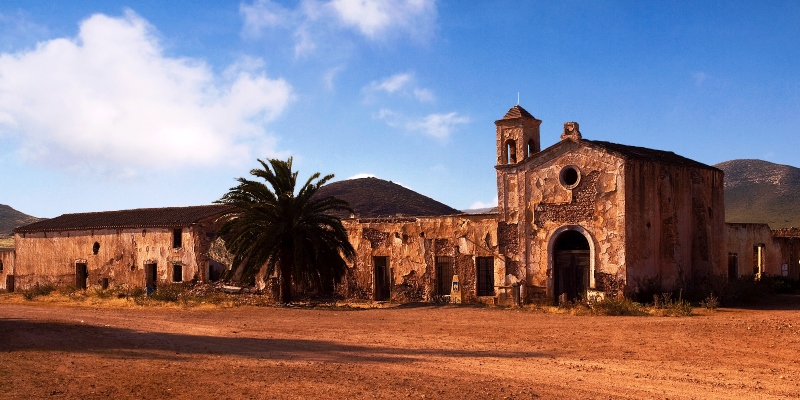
{"points": [[422, 351]]}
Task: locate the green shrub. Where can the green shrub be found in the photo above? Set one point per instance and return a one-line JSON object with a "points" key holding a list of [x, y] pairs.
{"points": [[616, 306], [710, 303], [664, 305], [170, 292]]}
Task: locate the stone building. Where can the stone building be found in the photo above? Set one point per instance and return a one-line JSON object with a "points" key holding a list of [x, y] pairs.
{"points": [[141, 247], [579, 218]]}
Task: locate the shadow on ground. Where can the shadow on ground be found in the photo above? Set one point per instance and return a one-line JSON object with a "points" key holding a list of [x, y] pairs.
{"points": [[24, 335]]}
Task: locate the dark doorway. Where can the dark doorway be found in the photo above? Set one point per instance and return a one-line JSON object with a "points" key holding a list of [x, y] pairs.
{"points": [[733, 266], [81, 275], [571, 266], [485, 276], [150, 278], [444, 275], [381, 276]]}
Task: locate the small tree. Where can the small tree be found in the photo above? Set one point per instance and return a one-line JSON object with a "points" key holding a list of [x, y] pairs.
{"points": [[271, 225]]}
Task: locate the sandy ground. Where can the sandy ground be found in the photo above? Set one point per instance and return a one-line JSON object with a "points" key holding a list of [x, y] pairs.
{"points": [[69, 351]]}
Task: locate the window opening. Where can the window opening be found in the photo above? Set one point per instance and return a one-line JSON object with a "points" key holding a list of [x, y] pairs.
{"points": [[569, 176], [177, 273], [511, 152], [1, 266], [177, 238], [485, 275], [95, 248], [531, 147], [444, 275]]}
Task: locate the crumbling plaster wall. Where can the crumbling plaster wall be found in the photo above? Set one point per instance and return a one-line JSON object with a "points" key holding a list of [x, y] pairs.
{"points": [[536, 201], [742, 239], [7, 260], [411, 244], [675, 216], [50, 257]]}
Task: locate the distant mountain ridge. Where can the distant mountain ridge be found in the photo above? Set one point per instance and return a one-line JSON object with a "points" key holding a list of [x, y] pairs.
{"points": [[11, 218], [763, 192]]}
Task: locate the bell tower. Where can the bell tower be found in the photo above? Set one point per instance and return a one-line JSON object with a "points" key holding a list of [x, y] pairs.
{"points": [[517, 136]]}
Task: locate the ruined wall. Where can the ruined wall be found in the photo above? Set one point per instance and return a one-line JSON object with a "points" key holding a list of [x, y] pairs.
{"points": [[675, 216], [411, 245], [742, 239], [50, 257], [546, 206], [7, 262]]}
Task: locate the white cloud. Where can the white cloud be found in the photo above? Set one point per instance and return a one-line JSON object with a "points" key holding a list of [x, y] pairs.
{"points": [[264, 14], [362, 175], [439, 126], [402, 83], [312, 20], [330, 75], [392, 83], [110, 98], [480, 204], [374, 18], [424, 95]]}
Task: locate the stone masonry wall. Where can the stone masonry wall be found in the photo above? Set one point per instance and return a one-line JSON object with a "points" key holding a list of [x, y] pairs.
{"points": [[411, 244]]}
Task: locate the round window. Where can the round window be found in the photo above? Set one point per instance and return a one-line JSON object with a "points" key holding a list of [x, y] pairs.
{"points": [[570, 176]]}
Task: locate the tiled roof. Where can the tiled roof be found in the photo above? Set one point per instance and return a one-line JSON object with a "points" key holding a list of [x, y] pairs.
{"points": [[517, 112], [643, 153], [373, 198], [138, 218]]}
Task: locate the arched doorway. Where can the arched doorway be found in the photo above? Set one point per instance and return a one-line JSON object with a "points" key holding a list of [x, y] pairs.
{"points": [[571, 265]]}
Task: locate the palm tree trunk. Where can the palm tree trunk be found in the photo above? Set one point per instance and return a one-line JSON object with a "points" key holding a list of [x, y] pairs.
{"points": [[286, 275]]}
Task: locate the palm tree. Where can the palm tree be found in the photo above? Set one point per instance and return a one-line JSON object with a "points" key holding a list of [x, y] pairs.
{"points": [[272, 225]]}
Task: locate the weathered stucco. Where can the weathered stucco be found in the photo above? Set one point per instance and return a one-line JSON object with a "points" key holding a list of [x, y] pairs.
{"points": [[675, 223], [778, 248], [542, 207], [411, 245], [7, 259], [51, 257]]}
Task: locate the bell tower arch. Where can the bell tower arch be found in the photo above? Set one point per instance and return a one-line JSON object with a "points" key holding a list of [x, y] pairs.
{"points": [[517, 136]]}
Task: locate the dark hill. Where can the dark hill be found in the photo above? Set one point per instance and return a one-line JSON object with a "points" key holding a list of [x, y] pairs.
{"points": [[11, 218], [760, 191], [373, 197]]}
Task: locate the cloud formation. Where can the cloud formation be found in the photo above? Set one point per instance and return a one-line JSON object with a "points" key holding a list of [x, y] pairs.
{"points": [[436, 125], [480, 204], [110, 99], [314, 19], [402, 83]]}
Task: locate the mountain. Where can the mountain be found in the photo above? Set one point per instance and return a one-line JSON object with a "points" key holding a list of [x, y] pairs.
{"points": [[760, 191], [11, 218], [373, 197]]}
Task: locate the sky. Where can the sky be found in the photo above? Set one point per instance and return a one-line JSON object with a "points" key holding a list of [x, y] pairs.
{"points": [[108, 105]]}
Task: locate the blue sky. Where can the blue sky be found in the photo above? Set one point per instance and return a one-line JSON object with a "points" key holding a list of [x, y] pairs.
{"points": [[113, 105]]}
